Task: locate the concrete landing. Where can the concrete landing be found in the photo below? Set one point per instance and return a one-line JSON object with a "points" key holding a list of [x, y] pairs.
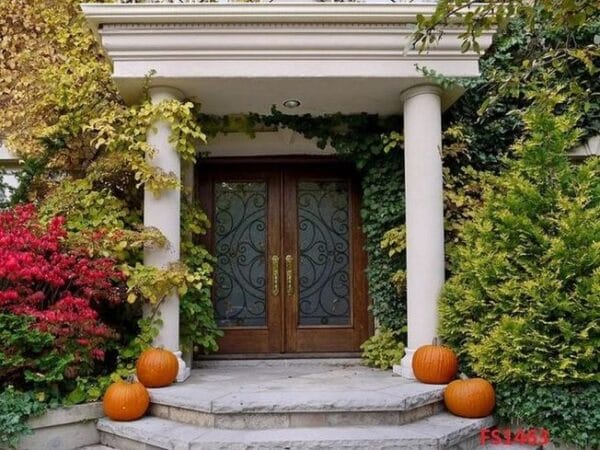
{"points": [[294, 386]]}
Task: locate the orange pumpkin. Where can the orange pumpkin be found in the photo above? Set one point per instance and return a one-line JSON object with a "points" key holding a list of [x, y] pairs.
{"points": [[435, 364], [156, 367], [126, 401], [471, 397]]}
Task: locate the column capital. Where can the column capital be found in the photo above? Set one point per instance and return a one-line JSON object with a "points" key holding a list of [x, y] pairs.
{"points": [[161, 93], [420, 90]]}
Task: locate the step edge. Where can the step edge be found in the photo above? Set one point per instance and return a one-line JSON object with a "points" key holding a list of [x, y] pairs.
{"points": [[444, 439], [267, 411], [125, 430], [404, 404], [278, 420]]}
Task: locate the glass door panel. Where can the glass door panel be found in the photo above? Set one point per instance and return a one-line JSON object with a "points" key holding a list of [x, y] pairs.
{"points": [[326, 308], [240, 229], [323, 247]]}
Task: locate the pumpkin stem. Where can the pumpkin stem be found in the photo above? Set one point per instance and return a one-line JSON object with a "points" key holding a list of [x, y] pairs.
{"points": [[462, 376], [435, 341], [130, 378]]}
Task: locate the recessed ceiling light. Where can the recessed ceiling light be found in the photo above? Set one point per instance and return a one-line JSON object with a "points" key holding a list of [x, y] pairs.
{"points": [[291, 103]]}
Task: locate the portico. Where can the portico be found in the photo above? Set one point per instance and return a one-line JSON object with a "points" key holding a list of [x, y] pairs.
{"points": [[340, 57]]}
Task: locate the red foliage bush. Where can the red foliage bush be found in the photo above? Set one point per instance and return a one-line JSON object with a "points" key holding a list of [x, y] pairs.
{"points": [[63, 289]]}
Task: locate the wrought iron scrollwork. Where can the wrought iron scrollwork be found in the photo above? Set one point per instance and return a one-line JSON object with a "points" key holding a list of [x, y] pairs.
{"points": [[240, 247], [324, 253]]}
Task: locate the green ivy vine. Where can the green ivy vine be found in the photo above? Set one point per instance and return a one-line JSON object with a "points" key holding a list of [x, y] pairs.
{"points": [[374, 145]]}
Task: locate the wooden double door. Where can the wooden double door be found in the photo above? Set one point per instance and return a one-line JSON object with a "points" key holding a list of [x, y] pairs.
{"points": [[290, 267]]}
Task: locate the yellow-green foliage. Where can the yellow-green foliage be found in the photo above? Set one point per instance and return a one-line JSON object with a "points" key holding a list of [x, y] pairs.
{"points": [[394, 241], [53, 78], [121, 136], [478, 17], [57, 93], [61, 113], [523, 303], [86, 208], [541, 46], [383, 349]]}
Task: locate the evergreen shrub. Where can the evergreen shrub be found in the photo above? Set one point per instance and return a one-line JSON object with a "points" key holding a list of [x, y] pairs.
{"points": [[522, 308]]}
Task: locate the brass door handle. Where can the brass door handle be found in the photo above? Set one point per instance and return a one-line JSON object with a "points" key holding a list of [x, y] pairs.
{"points": [[289, 274], [275, 274]]}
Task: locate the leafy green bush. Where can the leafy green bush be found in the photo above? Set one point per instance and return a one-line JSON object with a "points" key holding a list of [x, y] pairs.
{"points": [[104, 224], [199, 330], [523, 303], [569, 413], [85, 208], [383, 349], [28, 356], [523, 306], [15, 408]]}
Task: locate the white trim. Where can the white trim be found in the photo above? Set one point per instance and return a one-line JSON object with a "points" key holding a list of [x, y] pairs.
{"points": [[264, 143], [398, 13], [419, 90], [239, 58], [6, 156], [589, 148], [160, 93]]}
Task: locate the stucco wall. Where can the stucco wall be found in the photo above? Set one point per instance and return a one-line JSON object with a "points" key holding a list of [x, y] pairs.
{"points": [[64, 428]]}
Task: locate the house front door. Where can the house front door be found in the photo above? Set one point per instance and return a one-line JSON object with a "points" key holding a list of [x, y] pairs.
{"points": [[289, 272]]}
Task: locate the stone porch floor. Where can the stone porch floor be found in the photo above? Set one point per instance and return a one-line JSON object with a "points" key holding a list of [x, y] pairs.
{"points": [[309, 385]]}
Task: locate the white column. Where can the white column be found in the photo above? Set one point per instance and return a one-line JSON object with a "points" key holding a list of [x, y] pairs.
{"points": [[163, 212], [424, 216]]}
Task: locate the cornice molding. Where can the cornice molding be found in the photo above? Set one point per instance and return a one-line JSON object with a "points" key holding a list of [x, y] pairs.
{"points": [[356, 13], [237, 47], [254, 25], [276, 42], [234, 31]]}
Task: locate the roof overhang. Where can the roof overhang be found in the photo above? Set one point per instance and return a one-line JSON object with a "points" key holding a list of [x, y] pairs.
{"points": [[7, 158], [590, 147], [240, 57]]}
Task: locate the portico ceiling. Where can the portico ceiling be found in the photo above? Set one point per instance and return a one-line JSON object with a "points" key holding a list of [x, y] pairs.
{"points": [[238, 58]]}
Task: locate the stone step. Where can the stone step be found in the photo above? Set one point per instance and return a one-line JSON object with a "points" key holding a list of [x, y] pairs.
{"points": [[275, 362], [293, 419], [442, 431], [282, 397], [96, 447]]}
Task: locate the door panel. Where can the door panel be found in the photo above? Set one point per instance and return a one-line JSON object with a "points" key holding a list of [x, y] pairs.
{"points": [[289, 273], [327, 310], [323, 252], [240, 230], [244, 209]]}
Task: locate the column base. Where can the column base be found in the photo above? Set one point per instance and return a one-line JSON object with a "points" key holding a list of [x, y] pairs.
{"points": [[404, 369], [184, 371]]}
